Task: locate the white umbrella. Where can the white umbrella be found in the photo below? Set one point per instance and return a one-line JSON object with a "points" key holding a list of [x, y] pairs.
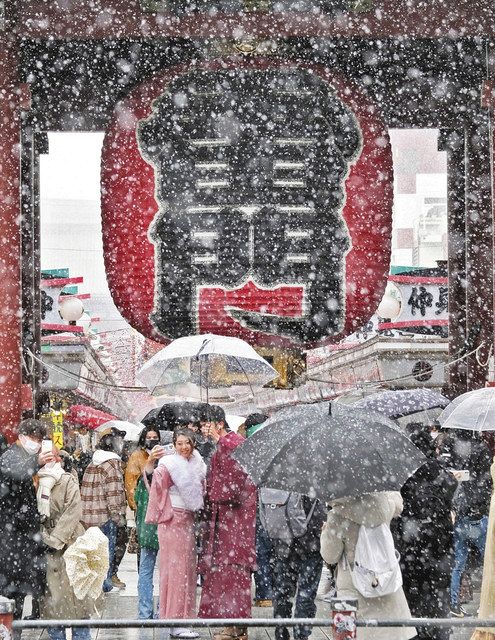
{"points": [[473, 411], [234, 421], [86, 563], [132, 431], [208, 361]]}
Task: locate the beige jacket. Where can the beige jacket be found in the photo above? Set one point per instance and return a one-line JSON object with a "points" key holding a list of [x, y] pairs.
{"points": [[60, 531], [339, 538]]}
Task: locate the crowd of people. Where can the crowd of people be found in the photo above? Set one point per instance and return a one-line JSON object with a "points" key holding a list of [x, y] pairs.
{"points": [[202, 521]]}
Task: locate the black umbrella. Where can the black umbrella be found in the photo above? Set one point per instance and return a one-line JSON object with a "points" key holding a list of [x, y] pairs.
{"points": [[149, 419], [175, 413], [305, 449]]}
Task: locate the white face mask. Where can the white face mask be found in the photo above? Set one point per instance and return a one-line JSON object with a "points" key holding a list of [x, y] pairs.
{"points": [[118, 446], [30, 446]]}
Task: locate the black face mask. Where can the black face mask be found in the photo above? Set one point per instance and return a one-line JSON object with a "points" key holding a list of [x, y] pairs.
{"points": [[149, 444]]}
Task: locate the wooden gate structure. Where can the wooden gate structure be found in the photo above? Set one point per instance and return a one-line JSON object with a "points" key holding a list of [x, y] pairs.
{"points": [[64, 64]]}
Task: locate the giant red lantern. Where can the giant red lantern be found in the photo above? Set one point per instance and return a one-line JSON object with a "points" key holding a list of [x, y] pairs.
{"points": [[247, 198]]}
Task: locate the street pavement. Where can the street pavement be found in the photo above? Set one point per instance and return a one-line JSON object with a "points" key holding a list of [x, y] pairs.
{"points": [[123, 604]]}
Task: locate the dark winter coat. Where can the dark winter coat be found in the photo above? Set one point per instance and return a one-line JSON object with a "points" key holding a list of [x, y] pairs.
{"points": [[472, 500], [230, 511], [424, 538], [22, 553]]}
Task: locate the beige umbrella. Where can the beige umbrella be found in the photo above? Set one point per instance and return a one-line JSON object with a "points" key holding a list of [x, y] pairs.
{"points": [[86, 563]]}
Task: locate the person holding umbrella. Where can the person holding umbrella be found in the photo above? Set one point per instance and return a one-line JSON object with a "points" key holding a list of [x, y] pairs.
{"points": [[59, 502], [228, 555], [467, 452], [424, 536]]}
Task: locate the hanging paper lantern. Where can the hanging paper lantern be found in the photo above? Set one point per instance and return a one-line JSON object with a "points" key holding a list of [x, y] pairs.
{"points": [[247, 198]]}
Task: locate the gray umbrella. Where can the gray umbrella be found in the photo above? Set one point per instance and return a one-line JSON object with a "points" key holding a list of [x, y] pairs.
{"points": [[304, 449], [403, 402]]}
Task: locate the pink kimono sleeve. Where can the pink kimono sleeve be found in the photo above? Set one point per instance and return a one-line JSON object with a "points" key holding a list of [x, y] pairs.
{"points": [[159, 505]]}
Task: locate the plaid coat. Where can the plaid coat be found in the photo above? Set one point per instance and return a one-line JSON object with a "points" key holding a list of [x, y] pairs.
{"points": [[102, 493]]}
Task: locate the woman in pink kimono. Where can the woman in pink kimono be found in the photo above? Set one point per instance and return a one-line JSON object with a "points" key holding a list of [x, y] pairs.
{"points": [[176, 494]]}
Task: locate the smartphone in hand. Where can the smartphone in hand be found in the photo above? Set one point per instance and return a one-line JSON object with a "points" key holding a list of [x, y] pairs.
{"points": [[46, 446]]}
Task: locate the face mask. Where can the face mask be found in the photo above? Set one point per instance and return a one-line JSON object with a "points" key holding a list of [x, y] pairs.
{"points": [[118, 446], [30, 446], [149, 444]]}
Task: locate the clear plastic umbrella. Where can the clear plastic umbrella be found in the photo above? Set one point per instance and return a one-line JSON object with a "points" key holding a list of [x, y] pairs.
{"points": [[473, 411], [208, 361]]}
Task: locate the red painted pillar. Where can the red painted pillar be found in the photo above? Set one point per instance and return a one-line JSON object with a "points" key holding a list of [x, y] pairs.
{"points": [[10, 300], [488, 102]]}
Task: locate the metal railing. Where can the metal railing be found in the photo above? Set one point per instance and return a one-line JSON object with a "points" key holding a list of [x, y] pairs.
{"points": [[342, 621], [250, 622]]}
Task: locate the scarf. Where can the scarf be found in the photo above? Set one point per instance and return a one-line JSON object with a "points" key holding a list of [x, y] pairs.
{"points": [[188, 476], [48, 476]]}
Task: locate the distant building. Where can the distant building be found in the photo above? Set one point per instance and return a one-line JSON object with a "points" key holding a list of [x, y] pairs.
{"points": [[420, 223]]}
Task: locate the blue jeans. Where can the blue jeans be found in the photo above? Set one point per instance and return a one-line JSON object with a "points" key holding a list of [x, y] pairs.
{"points": [[465, 531], [296, 574], [78, 633], [263, 575], [109, 528], [147, 560]]}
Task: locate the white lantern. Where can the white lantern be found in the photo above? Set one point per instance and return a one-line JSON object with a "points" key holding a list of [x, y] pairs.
{"points": [[389, 307], [71, 309]]}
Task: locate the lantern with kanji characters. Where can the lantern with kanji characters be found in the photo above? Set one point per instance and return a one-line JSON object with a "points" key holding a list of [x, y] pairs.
{"points": [[250, 199]]}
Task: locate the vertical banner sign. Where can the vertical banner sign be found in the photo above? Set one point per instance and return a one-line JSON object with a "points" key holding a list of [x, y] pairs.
{"points": [[57, 428], [247, 198]]}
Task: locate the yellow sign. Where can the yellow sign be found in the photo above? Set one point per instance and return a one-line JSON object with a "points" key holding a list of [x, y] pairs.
{"points": [[58, 428]]}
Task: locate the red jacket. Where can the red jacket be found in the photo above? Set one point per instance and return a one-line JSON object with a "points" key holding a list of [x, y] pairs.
{"points": [[230, 511]]}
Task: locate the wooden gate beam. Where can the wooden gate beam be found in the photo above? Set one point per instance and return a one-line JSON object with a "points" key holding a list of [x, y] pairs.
{"points": [[113, 19]]}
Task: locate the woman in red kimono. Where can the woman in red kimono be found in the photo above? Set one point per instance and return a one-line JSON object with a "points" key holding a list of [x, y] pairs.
{"points": [[228, 554]]}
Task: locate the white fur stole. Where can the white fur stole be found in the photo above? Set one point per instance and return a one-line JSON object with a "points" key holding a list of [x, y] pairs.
{"points": [[188, 476]]}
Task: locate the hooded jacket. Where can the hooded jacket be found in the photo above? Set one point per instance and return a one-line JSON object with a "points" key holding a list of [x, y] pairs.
{"points": [[339, 539], [102, 490]]}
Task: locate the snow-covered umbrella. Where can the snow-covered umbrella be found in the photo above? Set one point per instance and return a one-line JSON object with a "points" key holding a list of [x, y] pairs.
{"points": [[207, 361], [402, 402], [304, 449], [473, 411], [86, 563]]}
